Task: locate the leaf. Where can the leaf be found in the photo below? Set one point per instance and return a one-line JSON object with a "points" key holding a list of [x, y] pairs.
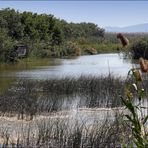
{"points": [[129, 72], [129, 118], [141, 94], [135, 86], [145, 119], [124, 145]]}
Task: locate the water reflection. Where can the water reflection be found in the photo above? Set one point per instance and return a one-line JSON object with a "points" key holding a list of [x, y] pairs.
{"points": [[95, 65]]}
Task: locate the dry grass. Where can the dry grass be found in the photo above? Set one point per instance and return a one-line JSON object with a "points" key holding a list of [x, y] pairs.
{"points": [[65, 113], [67, 132]]}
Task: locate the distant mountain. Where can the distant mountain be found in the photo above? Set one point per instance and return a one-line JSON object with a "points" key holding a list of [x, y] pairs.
{"points": [[133, 28]]}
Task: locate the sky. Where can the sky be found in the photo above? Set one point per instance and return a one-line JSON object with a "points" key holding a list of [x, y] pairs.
{"points": [[102, 13]]}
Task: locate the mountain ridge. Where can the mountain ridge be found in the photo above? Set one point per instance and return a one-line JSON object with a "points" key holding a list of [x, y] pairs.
{"points": [[131, 29]]}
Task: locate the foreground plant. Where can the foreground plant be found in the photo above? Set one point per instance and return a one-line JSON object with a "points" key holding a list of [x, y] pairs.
{"points": [[133, 101]]}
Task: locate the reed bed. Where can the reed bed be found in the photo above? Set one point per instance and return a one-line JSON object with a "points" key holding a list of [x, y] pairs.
{"points": [[84, 112], [66, 133], [29, 98]]}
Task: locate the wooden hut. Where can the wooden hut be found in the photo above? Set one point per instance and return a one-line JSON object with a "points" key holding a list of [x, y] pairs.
{"points": [[21, 51]]}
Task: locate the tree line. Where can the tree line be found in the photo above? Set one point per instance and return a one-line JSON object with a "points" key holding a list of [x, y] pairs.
{"points": [[43, 34]]}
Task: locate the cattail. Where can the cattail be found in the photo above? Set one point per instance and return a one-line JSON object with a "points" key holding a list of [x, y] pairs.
{"points": [[143, 65], [137, 75], [128, 94], [123, 39], [146, 63]]}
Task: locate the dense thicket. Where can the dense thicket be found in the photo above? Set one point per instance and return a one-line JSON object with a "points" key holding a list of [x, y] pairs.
{"points": [[44, 35], [140, 49]]}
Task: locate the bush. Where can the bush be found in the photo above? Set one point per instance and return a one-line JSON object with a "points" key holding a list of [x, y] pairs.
{"points": [[72, 48], [140, 49], [40, 50]]}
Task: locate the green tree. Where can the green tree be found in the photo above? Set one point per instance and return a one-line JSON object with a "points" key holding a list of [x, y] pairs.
{"points": [[6, 45], [57, 37], [29, 21], [11, 19]]}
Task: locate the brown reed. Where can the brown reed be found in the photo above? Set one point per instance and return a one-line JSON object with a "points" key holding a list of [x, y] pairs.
{"points": [[123, 39], [143, 65]]}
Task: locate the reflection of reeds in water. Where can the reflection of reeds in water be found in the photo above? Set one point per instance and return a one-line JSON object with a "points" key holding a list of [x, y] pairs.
{"points": [[28, 98], [65, 133]]}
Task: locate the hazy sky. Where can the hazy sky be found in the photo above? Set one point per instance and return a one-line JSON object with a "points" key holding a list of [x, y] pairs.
{"points": [[103, 13]]}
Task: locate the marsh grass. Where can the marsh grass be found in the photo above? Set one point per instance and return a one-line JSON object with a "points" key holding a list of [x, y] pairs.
{"points": [[61, 102], [68, 133], [28, 98]]}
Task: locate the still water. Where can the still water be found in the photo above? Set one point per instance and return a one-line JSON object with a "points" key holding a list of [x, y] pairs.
{"points": [[95, 65]]}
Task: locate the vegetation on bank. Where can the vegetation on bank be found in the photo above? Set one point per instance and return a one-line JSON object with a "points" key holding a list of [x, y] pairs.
{"points": [[43, 35], [140, 49], [46, 36]]}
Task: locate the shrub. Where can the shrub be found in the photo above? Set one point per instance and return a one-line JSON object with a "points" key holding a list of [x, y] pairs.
{"points": [[140, 49], [72, 48]]}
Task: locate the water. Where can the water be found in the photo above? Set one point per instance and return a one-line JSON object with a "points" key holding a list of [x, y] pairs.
{"points": [[95, 65], [42, 69]]}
